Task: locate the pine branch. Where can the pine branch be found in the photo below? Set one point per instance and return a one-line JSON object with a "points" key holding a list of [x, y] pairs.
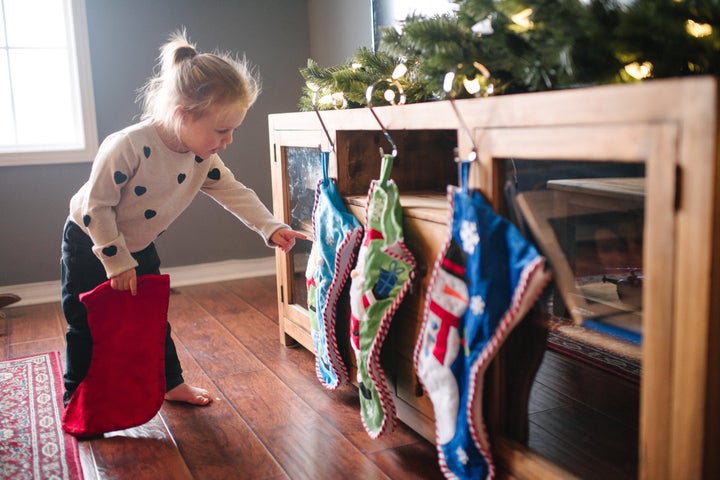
{"points": [[530, 45]]}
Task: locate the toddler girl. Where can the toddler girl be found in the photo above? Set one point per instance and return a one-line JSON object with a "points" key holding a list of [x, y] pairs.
{"points": [[144, 177]]}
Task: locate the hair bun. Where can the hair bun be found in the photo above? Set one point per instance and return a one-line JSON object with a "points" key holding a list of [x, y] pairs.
{"points": [[184, 52]]}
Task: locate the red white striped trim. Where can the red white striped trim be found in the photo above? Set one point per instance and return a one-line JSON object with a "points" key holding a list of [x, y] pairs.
{"points": [[512, 317], [374, 368]]}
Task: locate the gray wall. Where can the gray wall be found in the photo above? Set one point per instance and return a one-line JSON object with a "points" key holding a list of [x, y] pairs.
{"points": [[276, 35], [338, 28]]}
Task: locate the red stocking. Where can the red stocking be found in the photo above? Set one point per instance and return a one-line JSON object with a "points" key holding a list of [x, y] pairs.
{"points": [[125, 384]]}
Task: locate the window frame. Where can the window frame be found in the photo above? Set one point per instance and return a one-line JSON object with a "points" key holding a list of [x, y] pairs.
{"points": [[82, 77]]}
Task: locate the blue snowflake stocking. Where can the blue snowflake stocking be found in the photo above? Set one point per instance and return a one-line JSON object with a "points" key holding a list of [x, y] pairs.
{"points": [[484, 281]]}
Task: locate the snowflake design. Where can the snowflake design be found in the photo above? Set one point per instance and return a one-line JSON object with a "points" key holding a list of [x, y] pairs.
{"points": [[462, 455], [477, 305], [329, 240], [469, 236]]}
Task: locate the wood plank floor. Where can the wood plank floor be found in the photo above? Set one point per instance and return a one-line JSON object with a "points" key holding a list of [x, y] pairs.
{"points": [[271, 418]]}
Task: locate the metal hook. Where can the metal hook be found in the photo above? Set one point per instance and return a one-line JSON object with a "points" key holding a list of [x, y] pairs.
{"points": [[475, 88], [368, 98], [447, 86], [317, 112]]}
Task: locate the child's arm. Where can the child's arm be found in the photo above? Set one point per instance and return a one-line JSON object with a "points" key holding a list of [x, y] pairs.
{"points": [[284, 238], [244, 203]]}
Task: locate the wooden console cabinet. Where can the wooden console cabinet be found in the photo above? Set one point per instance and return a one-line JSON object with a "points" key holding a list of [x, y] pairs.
{"points": [[664, 132]]}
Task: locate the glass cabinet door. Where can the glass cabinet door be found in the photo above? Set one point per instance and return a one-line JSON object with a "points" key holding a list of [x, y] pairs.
{"points": [[587, 219], [582, 195], [303, 169]]}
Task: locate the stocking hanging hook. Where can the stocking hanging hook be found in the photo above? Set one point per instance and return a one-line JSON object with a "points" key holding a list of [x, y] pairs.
{"points": [[390, 97], [322, 123], [473, 87]]}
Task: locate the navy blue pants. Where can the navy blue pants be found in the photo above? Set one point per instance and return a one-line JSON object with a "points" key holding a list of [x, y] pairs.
{"points": [[81, 271]]}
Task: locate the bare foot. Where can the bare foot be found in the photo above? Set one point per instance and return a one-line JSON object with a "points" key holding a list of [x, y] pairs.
{"points": [[189, 394]]}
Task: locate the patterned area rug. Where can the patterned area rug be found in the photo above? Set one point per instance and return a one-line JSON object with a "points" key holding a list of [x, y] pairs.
{"points": [[32, 443], [603, 351]]}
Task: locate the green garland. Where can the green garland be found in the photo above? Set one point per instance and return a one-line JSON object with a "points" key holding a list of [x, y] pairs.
{"points": [[525, 46]]}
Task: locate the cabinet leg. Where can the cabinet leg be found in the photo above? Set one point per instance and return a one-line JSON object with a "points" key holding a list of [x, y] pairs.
{"points": [[286, 340]]}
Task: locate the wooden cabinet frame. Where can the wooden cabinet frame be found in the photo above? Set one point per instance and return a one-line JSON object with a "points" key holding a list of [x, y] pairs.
{"points": [[672, 127]]}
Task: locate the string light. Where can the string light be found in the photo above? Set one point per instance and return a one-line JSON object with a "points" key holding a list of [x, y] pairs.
{"points": [[483, 27], [522, 19], [448, 81], [698, 30], [334, 99], [389, 94], [400, 70], [474, 86], [639, 70], [339, 98]]}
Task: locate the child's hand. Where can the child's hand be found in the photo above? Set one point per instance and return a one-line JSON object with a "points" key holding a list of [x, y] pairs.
{"points": [[284, 238], [127, 280]]}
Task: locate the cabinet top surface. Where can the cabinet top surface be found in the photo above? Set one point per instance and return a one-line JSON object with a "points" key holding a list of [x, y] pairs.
{"points": [[688, 99]]}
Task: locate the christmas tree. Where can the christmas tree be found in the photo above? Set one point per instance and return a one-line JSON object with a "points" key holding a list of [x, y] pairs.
{"points": [[507, 46]]}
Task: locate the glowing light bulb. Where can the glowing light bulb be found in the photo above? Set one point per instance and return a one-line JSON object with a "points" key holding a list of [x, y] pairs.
{"points": [[356, 66], [472, 86], [522, 19], [482, 69], [326, 99], [399, 71], [313, 87], [639, 70], [483, 27], [338, 100], [368, 94], [698, 30], [389, 95], [448, 82]]}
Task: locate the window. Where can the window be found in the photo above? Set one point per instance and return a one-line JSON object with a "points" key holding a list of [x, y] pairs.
{"points": [[393, 12], [47, 113]]}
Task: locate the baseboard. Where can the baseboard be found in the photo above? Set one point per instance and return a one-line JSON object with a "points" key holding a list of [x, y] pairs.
{"points": [[47, 292]]}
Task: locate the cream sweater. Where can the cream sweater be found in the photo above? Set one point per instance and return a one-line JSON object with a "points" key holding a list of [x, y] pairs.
{"points": [[138, 187]]}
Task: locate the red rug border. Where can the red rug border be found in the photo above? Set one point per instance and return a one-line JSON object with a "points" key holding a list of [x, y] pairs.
{"points": [[629, 371]]}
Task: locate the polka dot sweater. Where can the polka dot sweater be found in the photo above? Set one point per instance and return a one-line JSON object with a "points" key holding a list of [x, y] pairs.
{"points": [[138, 187]]}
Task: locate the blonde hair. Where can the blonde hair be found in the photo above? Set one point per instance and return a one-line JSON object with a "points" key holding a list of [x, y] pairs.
{"points": [[195, 82]]}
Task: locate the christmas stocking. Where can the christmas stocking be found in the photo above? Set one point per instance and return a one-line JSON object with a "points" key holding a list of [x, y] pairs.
{"points": [[337, 234], [384, 270], [125, 384], [485, 280]]}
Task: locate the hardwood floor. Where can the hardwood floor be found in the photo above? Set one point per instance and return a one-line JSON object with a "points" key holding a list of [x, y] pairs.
{"points": [[272, 419], [584, 419]]}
